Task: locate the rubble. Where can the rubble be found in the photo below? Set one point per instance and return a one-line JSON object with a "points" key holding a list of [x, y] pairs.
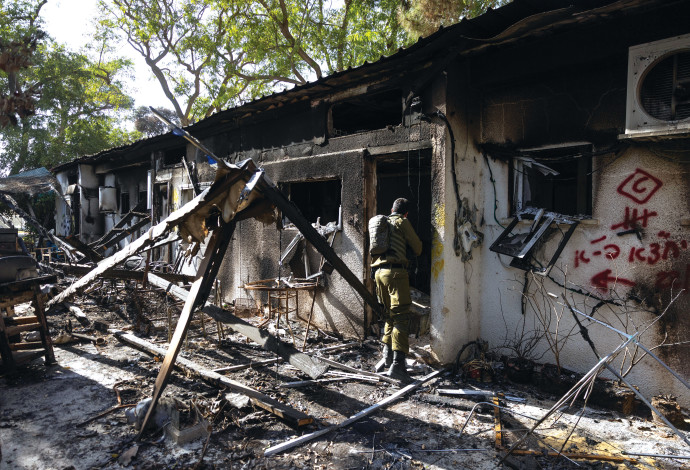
{"points": [[99, 383]]}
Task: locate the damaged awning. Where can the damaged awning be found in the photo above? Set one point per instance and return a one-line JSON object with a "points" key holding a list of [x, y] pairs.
{"points": [[32, 182]]}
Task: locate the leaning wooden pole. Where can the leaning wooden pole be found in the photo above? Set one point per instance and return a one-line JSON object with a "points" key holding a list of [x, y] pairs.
{"points": [[289, 209], [261, 400], [366, 412], [198, 294]]}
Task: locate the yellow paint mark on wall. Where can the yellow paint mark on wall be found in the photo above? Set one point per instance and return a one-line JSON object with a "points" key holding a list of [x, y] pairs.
{"points": [[440, 216], [437, 260], [176, 198]]}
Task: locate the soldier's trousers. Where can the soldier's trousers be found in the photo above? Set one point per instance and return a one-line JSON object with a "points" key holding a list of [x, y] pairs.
{"points": [[393, 290]]}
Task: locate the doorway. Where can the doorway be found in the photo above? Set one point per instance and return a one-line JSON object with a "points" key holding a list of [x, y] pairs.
{"points": [[408, 175]]}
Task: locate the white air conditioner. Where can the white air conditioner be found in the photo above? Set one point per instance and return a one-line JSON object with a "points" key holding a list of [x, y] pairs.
{"points": [[659, 87]]}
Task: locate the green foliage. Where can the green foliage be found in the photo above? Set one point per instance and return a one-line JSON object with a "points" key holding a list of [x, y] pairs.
{"points": [[421, 18], [213, 54], [148, 124], [75, 112]]}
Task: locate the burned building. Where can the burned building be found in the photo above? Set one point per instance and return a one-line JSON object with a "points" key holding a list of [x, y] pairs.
{"points": [[574, 115]]}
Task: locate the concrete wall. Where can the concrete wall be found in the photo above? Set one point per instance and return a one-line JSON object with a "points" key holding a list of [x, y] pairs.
{"points": [[625, 280], [91, 220], [63, 223], [255, 250]]}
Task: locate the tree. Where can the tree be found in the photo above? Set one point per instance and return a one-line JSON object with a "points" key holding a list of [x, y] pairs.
{"points": [[148, 124], [74, 110], [19, 36], [213, 54], [421, 18]]}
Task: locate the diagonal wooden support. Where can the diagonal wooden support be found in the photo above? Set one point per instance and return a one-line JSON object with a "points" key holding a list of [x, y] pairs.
{"points": [[121, 234], [77, 244], [282, 410], [139, 210], [198, 294], [271, 192]]}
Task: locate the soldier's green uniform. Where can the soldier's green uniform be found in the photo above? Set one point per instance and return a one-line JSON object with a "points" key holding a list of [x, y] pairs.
{"points": [[393, 283]]}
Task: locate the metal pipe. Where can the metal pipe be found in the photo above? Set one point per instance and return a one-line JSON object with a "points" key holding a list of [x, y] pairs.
{"points": [[675, 374], [644, 400], [648, 351]]}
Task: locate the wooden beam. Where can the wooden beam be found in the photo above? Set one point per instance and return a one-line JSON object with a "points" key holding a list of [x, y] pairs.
{"points": [[270, 191], [81, 270], [366, 412], [277, 408], [141, 205], [80, 246], [121, 235], [206, 275]]}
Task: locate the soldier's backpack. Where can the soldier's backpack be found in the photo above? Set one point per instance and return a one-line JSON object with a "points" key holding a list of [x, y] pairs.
{"points": [[379, 235]]}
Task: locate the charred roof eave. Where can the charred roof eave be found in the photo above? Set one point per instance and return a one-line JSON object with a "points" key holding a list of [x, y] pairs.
{"points": [[496, 28]]}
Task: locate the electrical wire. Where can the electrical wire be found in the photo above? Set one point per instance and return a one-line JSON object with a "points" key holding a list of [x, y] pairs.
{"points": [[493, 182]]}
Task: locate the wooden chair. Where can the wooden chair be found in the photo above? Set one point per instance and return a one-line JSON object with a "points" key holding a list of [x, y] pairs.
{"points": [[13, 350]]}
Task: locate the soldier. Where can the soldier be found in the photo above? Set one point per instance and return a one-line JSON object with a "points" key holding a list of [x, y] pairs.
{"points": [[393, 289]]}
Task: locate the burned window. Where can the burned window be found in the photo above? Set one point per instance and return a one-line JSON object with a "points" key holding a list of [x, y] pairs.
{"points": [[174, 156], [554, 179], [366, 113], [317, 200], [124, 203]]}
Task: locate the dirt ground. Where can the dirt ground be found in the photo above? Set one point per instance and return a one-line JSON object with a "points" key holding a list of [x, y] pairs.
{"points": [[50, 416]]}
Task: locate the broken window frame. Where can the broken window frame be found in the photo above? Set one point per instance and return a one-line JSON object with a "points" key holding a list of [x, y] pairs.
{"points": [[542, 160], [523, 252], [287, 188]]}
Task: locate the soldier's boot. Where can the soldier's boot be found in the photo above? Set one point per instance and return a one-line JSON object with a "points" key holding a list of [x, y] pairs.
{"points": [[386, 360], [398, 369]]}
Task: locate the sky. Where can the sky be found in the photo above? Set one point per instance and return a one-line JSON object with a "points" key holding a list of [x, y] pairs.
{"points": [[69, 22]]}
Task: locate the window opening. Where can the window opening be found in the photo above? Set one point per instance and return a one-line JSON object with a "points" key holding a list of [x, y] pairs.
{"points": [[174, 156], [366, 113], [124, 203], [555, 179], [316, 200]]}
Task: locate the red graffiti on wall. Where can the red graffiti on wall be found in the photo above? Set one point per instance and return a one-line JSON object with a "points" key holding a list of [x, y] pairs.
{"points": [[640, 186], [610, 251], [632, 219], [602, 280], [666, 250]]}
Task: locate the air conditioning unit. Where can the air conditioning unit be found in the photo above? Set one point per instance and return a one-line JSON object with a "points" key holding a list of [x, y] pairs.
{"points": [[659, 87]]}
